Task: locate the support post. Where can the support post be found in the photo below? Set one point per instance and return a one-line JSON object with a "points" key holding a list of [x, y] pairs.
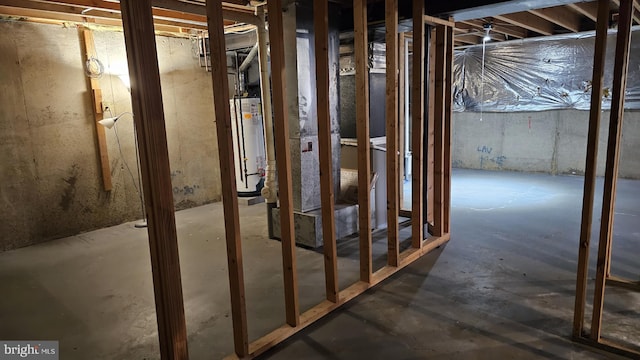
{"points": [[417, 126], [228, 177], [391, 19], [283, 159], [362, 134], [321, 25], [591, 165], [146, 96], [620, 69]]}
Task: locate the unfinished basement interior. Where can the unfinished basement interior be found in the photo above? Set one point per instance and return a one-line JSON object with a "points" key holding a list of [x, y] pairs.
{"points": [[313, 179]]}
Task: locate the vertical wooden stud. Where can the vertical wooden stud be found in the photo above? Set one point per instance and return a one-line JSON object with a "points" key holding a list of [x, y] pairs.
{"points": [[417, 126], [321, 26], [591, 165], [362, 134], [146, 96], [438, 123], [283, 159], [401, 115], [228, 176], [391, 21], [446, 144], [431, 53], [613, 155]]}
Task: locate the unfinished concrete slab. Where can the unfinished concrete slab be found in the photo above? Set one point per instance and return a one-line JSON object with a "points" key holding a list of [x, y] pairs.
{"points": [[502, 288]]}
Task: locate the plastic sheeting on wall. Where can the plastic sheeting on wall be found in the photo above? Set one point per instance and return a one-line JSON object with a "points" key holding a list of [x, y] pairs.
{"points": [[539, 74]]}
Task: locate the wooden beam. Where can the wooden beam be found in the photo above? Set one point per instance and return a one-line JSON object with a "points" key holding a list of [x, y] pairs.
{"points": [[623, 283], [228, 12], [439, 131], [417, 126], [402, 87], [466, 30], [620, 69], [224, 134], [446, 143], [96, 96], [393, 186], [163, 10], [430, 126], [469, 39], [588, 9], [528, 21], [283, 160], [560, 16], [433, 21], [321, 27], [362, 133], [511, 31], [591, 165], [146, 99]]}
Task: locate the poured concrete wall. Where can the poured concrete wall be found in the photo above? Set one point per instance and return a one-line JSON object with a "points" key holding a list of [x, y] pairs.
{"points": [[552, 142], [50, 181]]}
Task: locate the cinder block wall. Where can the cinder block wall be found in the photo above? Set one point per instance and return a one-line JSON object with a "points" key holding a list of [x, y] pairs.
{"points": [[50, 181], [552, 142]]}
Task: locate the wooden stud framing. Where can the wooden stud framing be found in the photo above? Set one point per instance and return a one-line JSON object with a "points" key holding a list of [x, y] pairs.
{"points": [[402, 53], [446, 143], [229, 190], [146, 96], [417, 126], [321, 26], [603, 278], [96, 96], [591, 164], [613, 154], [283, 159], [438, 124], [393, 185], [430, 127], [362, 134]]}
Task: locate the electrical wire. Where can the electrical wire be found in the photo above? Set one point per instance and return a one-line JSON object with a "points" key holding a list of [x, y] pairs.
{"points": [[93, 68], [115, 130]]}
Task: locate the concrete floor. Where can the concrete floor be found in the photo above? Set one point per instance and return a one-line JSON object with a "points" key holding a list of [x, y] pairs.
{"points": [[503, 287]]}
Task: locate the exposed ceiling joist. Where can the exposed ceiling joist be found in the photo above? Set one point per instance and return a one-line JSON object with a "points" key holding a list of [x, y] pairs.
{"points": [[57, 18], [560, 16], [506, 30], [528, 21], [468, 39], [589, 10], [55, 11], [466, 29]]}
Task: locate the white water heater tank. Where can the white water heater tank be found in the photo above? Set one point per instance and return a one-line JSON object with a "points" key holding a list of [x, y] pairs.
{"points": [[248, 145]]}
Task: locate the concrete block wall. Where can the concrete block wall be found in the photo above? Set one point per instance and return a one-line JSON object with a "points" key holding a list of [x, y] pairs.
{"points": [[50, 181], [553, 142]]}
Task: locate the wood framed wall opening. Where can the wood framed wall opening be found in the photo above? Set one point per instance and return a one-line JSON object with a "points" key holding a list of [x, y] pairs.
{"points": [[433, 109], [594, 335]]}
